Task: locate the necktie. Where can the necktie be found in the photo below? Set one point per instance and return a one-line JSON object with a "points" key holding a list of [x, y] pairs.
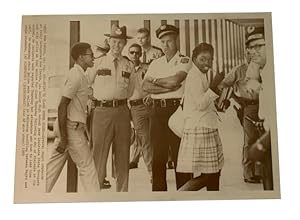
{"points": [[144, 57], [116, 64]]}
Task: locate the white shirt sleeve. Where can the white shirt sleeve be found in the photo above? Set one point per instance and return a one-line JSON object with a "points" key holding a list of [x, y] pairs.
{"points": [[71, 86], [185, 64], [151, 70]]}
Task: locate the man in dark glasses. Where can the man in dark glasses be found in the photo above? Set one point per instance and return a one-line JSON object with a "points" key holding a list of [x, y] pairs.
{"points": [[140, 113]]}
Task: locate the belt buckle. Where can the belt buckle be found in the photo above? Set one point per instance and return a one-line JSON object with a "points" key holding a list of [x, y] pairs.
{"points": [[114, 103], [163, 103]]}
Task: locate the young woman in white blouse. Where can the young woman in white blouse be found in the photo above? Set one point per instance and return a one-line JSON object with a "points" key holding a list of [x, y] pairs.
{"points": [[200, 150]]}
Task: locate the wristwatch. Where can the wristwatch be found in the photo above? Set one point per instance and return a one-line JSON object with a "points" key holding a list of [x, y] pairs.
{"points": [[154, 81]]}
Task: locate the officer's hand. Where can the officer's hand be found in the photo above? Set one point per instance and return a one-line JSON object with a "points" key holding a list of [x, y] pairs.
{"points": [[62, 145]]}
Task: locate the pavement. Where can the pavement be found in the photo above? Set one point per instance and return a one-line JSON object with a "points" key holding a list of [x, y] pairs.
{"points": [[231, 176]]}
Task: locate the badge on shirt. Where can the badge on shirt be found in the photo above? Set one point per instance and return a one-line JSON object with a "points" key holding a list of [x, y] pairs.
{"points": [[184, 60], [125, 74], [104, 72]]}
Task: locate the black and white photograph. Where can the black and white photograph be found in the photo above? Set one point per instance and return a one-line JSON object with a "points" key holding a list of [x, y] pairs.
{"points": [[146, 107]]}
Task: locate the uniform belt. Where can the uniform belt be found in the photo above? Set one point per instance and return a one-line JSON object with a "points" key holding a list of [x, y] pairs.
{"points": [[110, 103], [163, 103], [250, 102], [136, 102], [245, 101]]}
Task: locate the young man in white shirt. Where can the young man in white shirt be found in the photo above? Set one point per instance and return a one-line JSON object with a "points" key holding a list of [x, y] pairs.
{"points": [[71, 139]]}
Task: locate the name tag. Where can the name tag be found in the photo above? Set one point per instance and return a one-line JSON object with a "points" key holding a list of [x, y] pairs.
{"points": [[104, 72], [125, 74]]}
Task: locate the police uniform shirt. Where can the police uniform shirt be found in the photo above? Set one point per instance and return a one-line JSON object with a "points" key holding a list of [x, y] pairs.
{"points": [[160, 68], [112, 78], [76, 89], [238, 80], [138, 92], [151, 54]]}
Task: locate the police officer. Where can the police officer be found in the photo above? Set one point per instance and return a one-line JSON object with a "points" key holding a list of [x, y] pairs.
{"points": [[140, 112], [102, 48], [238, 78], [257, 48], [164, 80], [149, 52], [113, 82], [71, 139]]}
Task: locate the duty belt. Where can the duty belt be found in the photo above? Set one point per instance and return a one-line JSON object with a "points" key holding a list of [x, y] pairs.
{"points": [[110, 103], [245, 101], [163, 103], [136, 102]]}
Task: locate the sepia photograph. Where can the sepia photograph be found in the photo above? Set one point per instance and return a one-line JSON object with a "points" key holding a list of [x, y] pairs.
{"points": [[144, 107]]}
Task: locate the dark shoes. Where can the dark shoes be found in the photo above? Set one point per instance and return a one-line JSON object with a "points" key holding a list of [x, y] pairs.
{"points": [[105, 185], [133, 165], [170, 165], [254, 179]]}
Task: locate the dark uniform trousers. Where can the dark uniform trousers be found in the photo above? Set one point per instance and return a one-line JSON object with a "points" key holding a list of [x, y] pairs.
{"points": [[251, 134], [111, 127], [161, 138], [267, 172]]}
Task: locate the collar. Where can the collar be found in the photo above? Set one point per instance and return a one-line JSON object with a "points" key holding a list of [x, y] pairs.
{"points": [[112, 57], [174, 58], [79, 68], [146, 50]]}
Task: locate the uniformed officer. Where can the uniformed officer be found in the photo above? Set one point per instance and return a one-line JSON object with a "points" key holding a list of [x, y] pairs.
{"points": [[257, 48], [102, 48], [71, 139], [165, 81], [140, 112], [149, 52], [238, 78], [113, 82]]}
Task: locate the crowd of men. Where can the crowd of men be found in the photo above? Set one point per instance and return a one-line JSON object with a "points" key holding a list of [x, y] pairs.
{"points": [[145, 88]]}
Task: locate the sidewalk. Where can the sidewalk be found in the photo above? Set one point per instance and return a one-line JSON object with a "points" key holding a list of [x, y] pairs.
{"points": [[231, 176]]}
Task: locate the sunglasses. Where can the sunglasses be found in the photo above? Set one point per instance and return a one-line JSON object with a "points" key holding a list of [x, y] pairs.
{"points": [[91, 54], [134, 52]]}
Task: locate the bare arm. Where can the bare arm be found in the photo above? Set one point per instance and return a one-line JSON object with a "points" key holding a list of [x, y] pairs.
{"points": [[62, 123], [150, 87], [171, 82]]}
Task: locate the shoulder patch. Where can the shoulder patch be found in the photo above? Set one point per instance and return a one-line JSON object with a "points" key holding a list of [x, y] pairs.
{"points": [[184, 60]]}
